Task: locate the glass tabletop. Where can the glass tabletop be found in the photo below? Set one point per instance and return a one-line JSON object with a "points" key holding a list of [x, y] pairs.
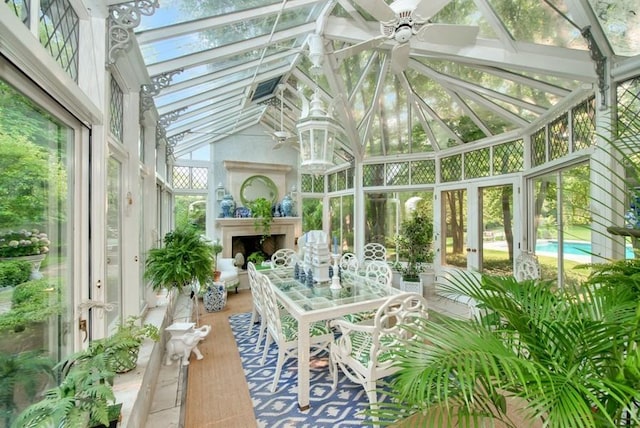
{"points": [[355, 289]]}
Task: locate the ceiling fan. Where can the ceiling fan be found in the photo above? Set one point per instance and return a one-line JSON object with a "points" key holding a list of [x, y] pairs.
{"points": [[403, 20], [282, 137]]}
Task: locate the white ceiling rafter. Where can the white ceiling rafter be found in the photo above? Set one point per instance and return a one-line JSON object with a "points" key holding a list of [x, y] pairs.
{"points": [[423, 121], [436, 117], [448, 81], [528, 81], [497, 109]]}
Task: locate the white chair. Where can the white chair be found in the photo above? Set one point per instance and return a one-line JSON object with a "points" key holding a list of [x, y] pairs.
{"points": [[373, 251], [257, 299], [349, 262], [282, 329], [228, 273], [380, 272], [283, 257], [365, 352], [527, 266]]}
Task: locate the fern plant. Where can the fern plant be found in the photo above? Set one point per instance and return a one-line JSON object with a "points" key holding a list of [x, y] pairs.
{"points": [[83, 398], [186, 257], [262, 211]]}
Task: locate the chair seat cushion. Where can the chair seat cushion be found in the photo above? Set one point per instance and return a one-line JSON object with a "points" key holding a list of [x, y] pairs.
{"points": [[361, 343], [290, 328]]}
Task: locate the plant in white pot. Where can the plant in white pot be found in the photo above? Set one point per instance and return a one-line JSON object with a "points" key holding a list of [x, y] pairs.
{"points": [[414, 248]]}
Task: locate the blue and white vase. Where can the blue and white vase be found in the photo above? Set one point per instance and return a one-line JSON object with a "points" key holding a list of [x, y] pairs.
{"points": [[215, 298], [286, 206], [227, 205]]}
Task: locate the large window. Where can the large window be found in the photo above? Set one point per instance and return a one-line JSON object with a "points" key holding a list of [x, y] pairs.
{"points": [[385, 213], [341, 212], [37, 169]]}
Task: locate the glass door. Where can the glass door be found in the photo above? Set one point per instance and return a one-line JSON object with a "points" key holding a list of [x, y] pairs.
{"points": [[453, 243], [496, 226], [113, 292]]}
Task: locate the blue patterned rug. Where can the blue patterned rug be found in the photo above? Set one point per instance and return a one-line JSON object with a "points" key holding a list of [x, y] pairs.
{"points": [[342, 408]]}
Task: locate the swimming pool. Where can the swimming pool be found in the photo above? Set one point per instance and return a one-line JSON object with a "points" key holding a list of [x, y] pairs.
{"points": [[575, 248]]}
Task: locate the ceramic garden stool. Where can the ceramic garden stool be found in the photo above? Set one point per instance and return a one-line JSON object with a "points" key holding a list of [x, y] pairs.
{"points": [[215, 298]]}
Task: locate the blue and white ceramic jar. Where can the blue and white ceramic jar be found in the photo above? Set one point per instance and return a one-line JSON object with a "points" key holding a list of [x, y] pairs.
{"points": [[227, 205], [215, 298], [286, 206]]}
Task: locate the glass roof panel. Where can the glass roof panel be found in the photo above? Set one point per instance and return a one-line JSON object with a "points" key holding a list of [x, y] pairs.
{"points": [[497, 83], [620, 21], [493, 121], [180, 11], [206, 86], [419, 141], [394, 117], [210, 38], [536, 22], [352, 69], [464, 12]]}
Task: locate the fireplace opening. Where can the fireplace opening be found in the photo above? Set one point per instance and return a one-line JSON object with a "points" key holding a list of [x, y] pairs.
{"points": [[247, 245]]}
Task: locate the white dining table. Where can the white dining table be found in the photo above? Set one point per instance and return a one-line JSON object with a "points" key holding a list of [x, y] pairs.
{"points": [[319, 303]]}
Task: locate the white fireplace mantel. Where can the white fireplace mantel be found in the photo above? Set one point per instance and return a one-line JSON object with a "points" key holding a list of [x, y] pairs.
{"points": [[228, 228]]}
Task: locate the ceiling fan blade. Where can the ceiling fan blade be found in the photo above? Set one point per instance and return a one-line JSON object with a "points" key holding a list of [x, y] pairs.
{"points": [[359, 47], [448, 34], [427, 8], [378, 9], [400, 57]]}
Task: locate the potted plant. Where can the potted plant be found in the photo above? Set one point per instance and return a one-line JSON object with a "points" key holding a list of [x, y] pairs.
{"points": [[257, 258], [414, 246], [123, 346], [560, 356], [262, 211], [185, 258], [217, 249], [83, 398], [26, 245]]}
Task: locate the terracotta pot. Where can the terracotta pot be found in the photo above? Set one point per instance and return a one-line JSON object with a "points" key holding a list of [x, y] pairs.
{"points": [[216, 275]]}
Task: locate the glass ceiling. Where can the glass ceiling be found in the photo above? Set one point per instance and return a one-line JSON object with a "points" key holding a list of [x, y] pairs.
{"points": [[401, 77]]}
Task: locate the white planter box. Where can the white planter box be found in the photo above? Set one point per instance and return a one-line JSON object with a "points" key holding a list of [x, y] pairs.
{"points": [[411, 286]]}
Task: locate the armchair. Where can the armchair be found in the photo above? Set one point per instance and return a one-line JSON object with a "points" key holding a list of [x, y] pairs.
{"points": [[364, 352], [229, 273]]}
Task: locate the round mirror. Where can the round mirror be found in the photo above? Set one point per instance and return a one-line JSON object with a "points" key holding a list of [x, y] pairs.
{"points": [[258, 186]]}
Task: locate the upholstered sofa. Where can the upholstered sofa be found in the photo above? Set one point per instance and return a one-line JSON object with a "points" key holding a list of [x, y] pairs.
{"points": [[228, 273]]}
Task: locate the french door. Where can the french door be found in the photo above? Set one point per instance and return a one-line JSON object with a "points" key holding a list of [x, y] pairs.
{"points": [[477, 226]]}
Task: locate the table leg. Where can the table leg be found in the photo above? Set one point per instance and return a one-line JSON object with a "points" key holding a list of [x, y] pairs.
{"points": [[303, 364]]}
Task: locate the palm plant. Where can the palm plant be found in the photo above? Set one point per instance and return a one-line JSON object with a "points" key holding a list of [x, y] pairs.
{"points": [[24, 372], [570, 355], [185, 257]]}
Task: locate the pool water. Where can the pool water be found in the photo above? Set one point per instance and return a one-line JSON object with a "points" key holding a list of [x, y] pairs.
{"points": [[577, 248]]}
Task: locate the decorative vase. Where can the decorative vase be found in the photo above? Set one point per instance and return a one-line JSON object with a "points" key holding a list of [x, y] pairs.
{"points": [[227, 205], [215, 298], [286, 206]]}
